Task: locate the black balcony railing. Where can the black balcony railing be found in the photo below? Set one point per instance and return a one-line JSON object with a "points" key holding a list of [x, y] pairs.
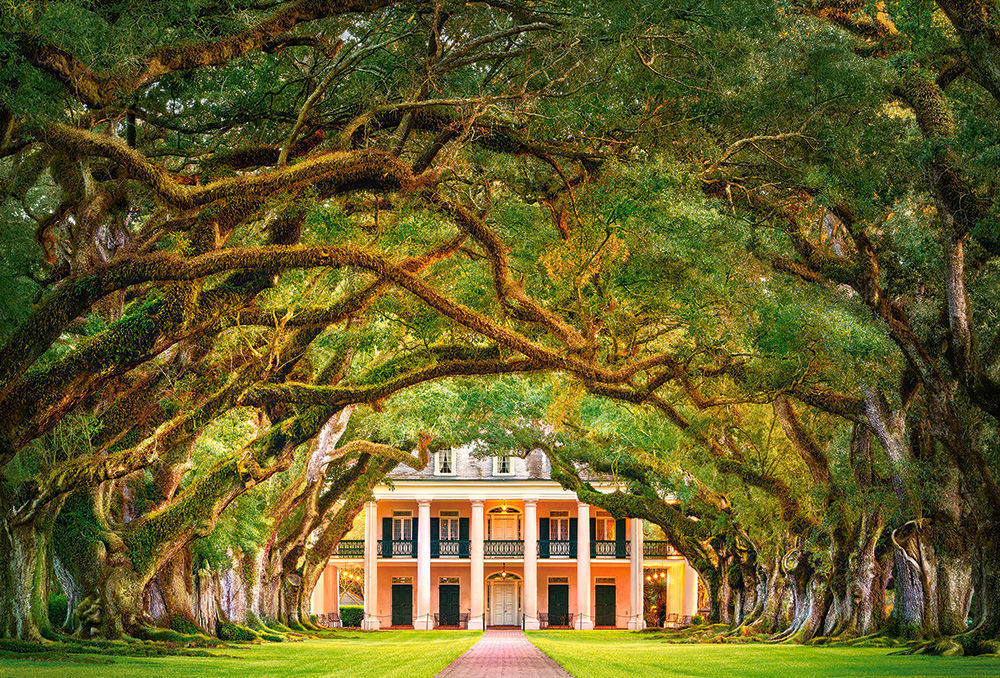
{"points": [[503, 548], [658, 549], [449, 548], [404, 548], [350, 548], [556, 548], [508, 548], [609, 548]]}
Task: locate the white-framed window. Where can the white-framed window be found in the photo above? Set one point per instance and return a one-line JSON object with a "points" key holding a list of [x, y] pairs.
{"points": [[559, 525], [445, 465], [402, 525], [448, 522], [503, 465]]}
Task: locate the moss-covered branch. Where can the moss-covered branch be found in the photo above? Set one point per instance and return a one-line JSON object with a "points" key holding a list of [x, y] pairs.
{"points": [[97, 90]]}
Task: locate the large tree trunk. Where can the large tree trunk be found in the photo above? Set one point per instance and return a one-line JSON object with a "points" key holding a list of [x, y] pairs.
{"points": [[867, 591], [954, 588], [915, 610], [772, 598], [26, 542], [812, 597], [176, 585], [233, 592], [985, 611]]}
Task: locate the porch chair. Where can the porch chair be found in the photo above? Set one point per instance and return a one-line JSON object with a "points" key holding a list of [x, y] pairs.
{"points": [[437, 621], [671, 621], [463, 620], [686, 620], [543, 620]]}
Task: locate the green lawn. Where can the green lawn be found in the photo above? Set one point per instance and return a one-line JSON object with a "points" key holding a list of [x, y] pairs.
{"points": [[621, 653], [354, 654]]}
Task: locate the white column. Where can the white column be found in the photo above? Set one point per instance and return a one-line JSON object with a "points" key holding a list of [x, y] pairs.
{"points": [[424, 618], [477, 581], [317, 603], [370, 621], [690, 590], [333, 591], [583, 587], [530, 564], [637, 577]]}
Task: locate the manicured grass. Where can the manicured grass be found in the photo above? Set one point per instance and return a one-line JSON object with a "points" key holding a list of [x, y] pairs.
{"points": [[622, 653], [354, 654]]}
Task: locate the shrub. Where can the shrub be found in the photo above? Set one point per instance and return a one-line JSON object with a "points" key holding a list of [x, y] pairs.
{"points": [[234, 632], [57, 609], [351, 615], [697, 619], [182, 624]]}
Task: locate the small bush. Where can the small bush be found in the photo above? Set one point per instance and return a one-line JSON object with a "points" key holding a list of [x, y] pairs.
{"points": [[351, 615], [57, 609], [182, 624], [234, 632], [697, 619], [21, 646]]}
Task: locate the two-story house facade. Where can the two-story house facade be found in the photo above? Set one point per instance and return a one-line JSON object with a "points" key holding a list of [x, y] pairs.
{"points": [[478, 541]]}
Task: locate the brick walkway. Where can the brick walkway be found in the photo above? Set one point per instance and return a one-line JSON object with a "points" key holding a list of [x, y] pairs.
{"points": [[503, 654]]}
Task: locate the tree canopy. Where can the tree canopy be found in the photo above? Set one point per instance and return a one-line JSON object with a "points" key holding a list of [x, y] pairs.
{"points": [[741, 257]]}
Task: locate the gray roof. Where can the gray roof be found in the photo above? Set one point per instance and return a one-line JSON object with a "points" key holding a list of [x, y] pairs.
{"points": [[476, 464]]}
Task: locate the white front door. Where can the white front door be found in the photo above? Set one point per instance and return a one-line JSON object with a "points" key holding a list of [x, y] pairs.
{"points": [[503, 601], [504, 528]]}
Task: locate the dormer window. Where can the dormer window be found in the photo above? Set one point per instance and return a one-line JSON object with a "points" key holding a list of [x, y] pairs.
{"points": [[503, 465], [445, 463]]}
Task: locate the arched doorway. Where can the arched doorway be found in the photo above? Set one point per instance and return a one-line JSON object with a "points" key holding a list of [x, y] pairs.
{"points": [[503, 599]]}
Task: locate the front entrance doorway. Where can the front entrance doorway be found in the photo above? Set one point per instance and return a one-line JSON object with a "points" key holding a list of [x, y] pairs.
{"points": [[402, 604], [503, 603], [448, 604], [558, 604], [604, 605]]}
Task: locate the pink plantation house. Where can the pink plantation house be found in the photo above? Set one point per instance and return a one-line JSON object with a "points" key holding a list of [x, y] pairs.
{"points": [[478, 542]]}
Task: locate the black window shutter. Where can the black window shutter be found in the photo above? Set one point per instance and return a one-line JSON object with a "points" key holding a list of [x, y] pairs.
{"points": [[435, 537], [593, 537], [416, 531], [620, 538], [463, 535], [572, 537], [543, 537], [387, 537]]}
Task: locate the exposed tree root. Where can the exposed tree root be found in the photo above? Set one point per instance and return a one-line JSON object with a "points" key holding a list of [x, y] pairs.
{"points": [[967, 644], [237, 633], [162, 635]]}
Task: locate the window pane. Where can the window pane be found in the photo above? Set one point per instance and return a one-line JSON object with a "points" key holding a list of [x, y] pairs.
{"points": [[445, 463], [449, 529], [503, 464]]}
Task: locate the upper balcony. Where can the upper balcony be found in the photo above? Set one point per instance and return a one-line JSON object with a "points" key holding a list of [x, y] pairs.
{"points": [[511, 549]]}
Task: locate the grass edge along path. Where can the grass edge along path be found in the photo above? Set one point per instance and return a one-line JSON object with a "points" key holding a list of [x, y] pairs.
{"points": [[351, 653], [606, 654]]}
